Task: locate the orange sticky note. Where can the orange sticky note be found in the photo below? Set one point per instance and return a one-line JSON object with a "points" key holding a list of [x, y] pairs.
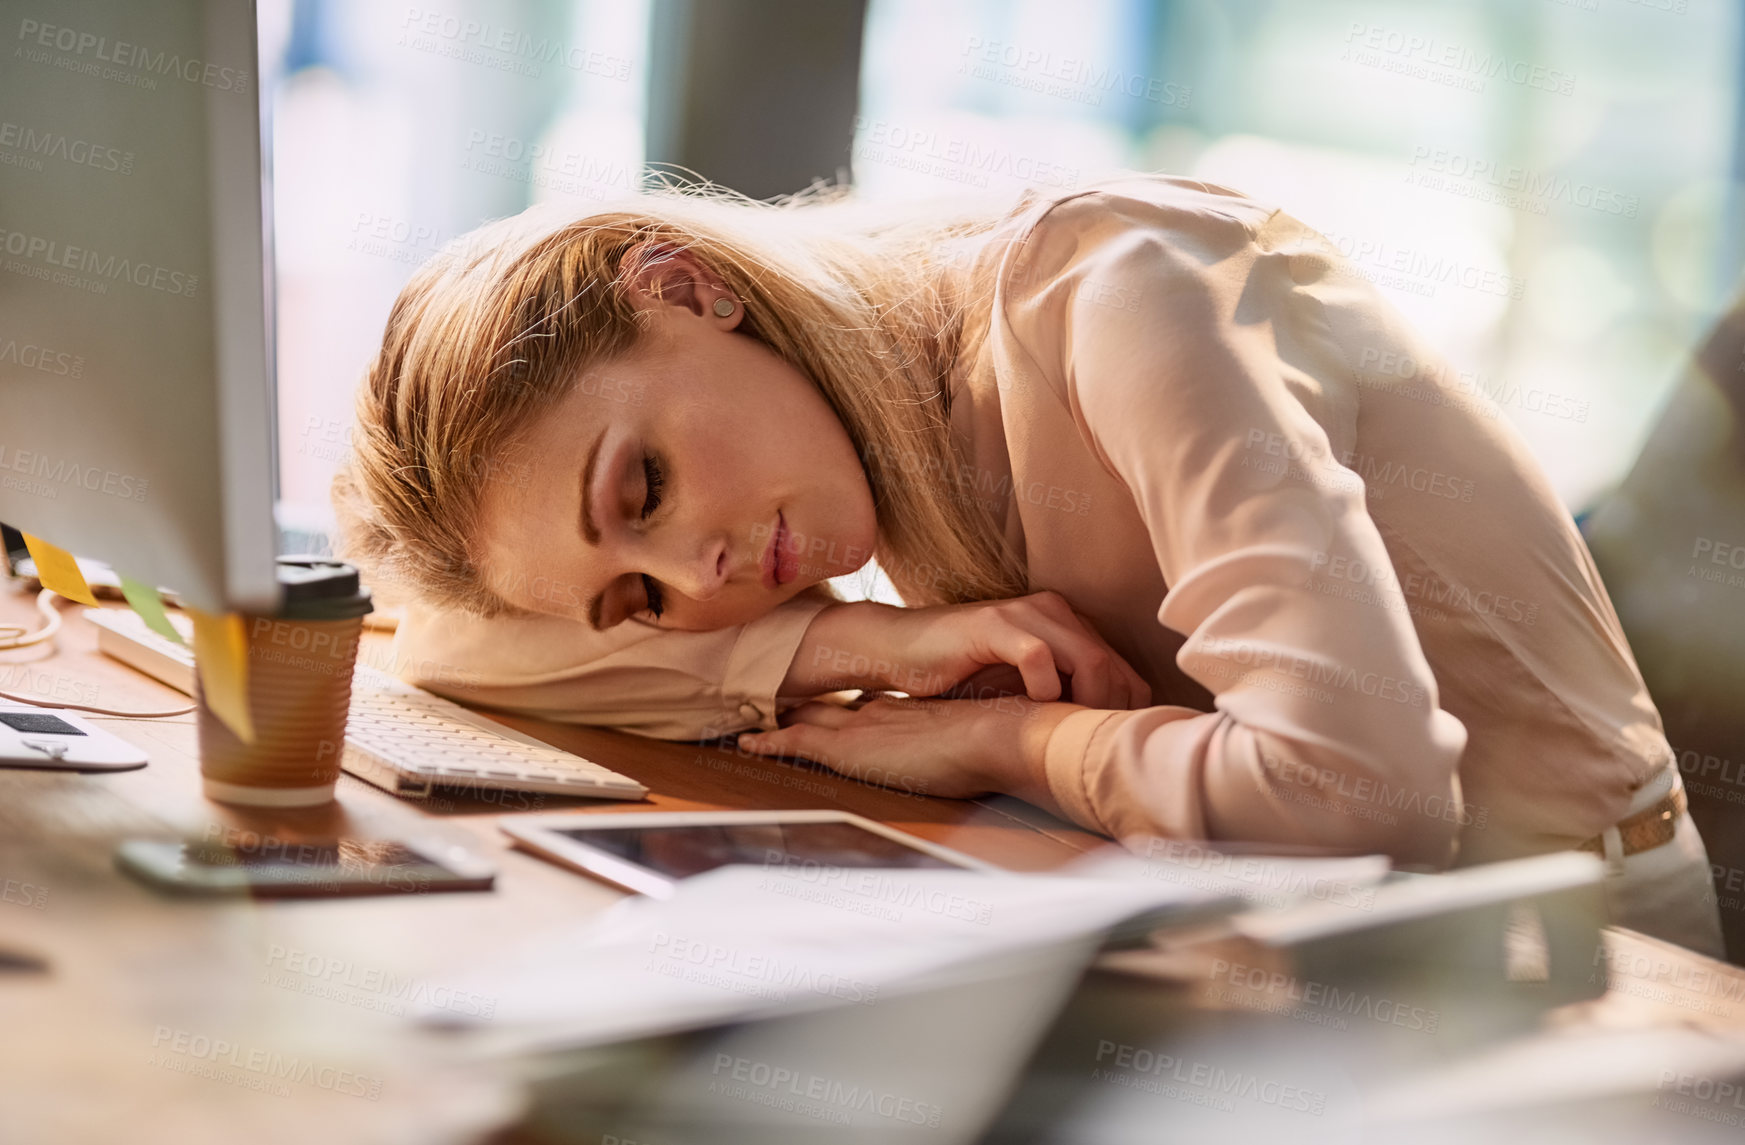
{"points": [[57, 570], [221, 656]]}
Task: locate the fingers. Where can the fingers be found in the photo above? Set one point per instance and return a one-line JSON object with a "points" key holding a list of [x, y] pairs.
{"points": [[1122, 687], [1096, 681], [1032, 655], [803, 741], [1101, 677], [819, 714], [805, 733], [993, 680], [1041, 638], [1052, 605], [1138, 689]]}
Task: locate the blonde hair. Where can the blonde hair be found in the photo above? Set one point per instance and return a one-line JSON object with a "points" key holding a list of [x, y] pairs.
{"points": [[869, 303]]}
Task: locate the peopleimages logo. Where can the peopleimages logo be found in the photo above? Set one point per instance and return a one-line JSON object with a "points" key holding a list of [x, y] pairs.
{"points": [[1395, 592], [368, 987], [53, 473], [866, 891], [184, 1051], [814, 1095], [23, 894], [503, 48], [957, 159], [1363, 797], [1519, 186], [753, 972], [1266, 658], [1454, 65], [1443, 385], [33, 356], [31, 143], [93, 51], [1420, 271], [1138, 1067], [1269, 881], [1287, 994], [39, 252], [1065, 77]]}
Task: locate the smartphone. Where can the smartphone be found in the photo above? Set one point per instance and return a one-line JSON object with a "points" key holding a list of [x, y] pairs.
{"points": [[283, 869], [649, 852]]}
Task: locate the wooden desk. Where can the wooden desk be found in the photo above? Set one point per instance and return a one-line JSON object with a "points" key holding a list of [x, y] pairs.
{"points": [[118, 1036], [89, 1050]]}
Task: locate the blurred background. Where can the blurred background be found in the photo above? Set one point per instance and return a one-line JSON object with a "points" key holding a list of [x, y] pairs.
{"points": [[1547, 187]]}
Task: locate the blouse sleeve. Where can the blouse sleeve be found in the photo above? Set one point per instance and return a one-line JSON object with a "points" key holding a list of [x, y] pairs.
{"points": [[663, 683], [1229, 361]]}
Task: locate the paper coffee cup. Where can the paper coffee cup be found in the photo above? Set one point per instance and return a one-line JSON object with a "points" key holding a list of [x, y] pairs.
{"points": [[300, 665]]}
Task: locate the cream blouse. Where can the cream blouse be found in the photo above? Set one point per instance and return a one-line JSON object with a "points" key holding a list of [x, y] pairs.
{"points": [[1367, 620]]}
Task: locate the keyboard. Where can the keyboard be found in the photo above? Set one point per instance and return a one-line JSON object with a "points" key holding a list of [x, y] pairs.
{"points": [[398, 736]]}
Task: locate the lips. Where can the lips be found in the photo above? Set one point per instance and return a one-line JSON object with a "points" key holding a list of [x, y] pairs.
{"points": [[787, 560], [779, 565], [771, 563]]}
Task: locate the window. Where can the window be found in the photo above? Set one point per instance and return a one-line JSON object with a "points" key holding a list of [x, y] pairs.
{"points": [[398, 127], [1538, 184]]}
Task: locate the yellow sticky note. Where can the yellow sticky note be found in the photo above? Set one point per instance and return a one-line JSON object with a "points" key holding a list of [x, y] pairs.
{"points": [[57, 570], [150, 606], [221, 655]]}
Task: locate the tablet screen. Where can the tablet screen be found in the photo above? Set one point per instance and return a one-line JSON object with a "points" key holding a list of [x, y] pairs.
{"points": [[681, 851]]}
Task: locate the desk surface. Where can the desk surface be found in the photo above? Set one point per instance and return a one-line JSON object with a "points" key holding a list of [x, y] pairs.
{"points": [[183, 1021], [131, 975]]}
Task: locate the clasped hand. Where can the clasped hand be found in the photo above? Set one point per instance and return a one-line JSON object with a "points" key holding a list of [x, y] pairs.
{"points": [[988, 682]]}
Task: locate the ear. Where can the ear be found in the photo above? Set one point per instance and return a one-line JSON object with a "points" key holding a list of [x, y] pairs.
{"points": [[658, 274]]}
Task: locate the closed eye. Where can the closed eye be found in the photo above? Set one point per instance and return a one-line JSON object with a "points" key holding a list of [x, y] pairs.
{"points": [[653, 479], [651, 591]]}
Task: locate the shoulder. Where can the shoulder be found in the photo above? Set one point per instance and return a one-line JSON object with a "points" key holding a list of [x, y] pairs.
{"points": [[1097, 232], [1152, 200], [1157, 264]]}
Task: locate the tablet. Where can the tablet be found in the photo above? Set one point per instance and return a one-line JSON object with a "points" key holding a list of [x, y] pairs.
{"points": [[649, 852]]}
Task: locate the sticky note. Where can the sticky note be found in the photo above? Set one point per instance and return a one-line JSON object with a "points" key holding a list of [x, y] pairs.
{"points": [[57, 570], [221, 655], [150, 606]]}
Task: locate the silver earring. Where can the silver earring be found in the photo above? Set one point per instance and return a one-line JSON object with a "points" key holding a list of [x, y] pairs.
{"points": [[723, 307]]}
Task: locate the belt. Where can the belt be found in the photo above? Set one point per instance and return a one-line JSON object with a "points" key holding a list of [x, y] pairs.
{"points": [[1647, 829]]}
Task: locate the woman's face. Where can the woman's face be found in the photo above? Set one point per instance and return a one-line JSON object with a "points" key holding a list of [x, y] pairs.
{"points": [[698, 482]]}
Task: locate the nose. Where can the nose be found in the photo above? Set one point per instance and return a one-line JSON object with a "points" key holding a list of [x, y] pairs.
{"points": [[696, 568]]}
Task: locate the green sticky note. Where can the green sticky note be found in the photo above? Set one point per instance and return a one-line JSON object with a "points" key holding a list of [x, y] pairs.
{"points": [[150, 606]]}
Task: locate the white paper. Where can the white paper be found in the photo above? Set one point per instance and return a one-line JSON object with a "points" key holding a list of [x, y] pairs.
{"points": [[1264, 881], [744, 941]]}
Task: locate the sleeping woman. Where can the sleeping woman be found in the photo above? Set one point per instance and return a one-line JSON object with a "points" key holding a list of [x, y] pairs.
{"points": [[1255, 566]]}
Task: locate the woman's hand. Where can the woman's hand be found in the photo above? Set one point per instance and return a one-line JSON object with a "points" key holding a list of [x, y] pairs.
{"points": [[952, 748], [930, 651]]}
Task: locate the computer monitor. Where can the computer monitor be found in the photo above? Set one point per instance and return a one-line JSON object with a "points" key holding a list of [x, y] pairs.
{"points": [[135, 279]]}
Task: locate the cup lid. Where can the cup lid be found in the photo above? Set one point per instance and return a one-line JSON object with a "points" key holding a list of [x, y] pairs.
{"points": [[321, 588]]}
